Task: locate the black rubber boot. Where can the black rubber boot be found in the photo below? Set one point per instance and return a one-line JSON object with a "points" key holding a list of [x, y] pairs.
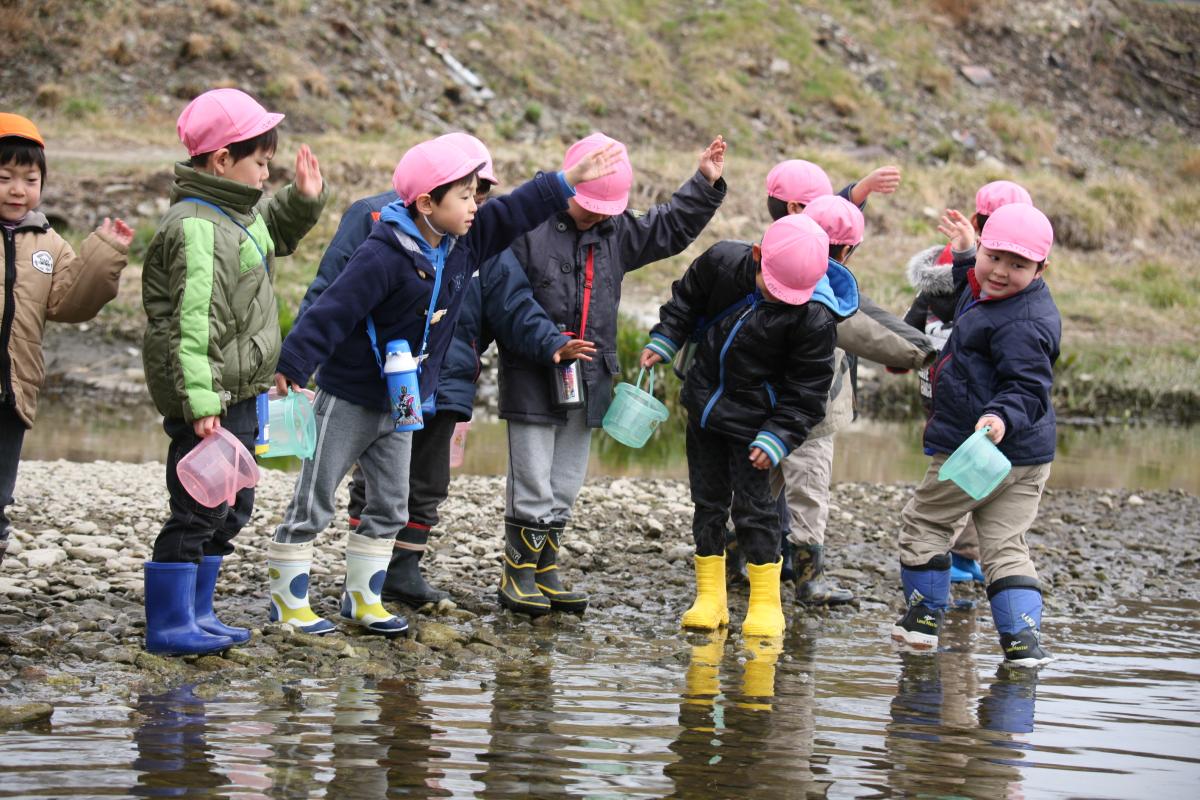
{"points": [[523, 543], [548, 583], [404, 582], [811, 588]]}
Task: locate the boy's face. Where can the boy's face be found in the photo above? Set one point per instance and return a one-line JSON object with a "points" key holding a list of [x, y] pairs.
{"points": [[20, 190], [253, 170], [455, 213], [1003, 274], [584, 219]]}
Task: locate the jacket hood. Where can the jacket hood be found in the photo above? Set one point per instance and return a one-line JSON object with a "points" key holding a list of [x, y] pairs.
{"points": [[926, 275], [225, 193], [838, 290]]}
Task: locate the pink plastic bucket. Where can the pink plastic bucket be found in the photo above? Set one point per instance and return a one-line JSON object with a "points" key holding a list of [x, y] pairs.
{"points": [[216, 469]]}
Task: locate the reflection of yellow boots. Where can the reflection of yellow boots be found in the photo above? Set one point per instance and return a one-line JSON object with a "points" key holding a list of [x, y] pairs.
{"points": [[711, 609], [703, 683], [764, 614], [758, 680]]}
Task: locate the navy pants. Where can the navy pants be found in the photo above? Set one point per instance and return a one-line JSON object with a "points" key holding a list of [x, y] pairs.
{"points": [[12, 436]]}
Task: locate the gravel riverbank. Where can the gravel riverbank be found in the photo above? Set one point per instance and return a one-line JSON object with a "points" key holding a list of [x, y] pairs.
{"points": [[71, 616]]}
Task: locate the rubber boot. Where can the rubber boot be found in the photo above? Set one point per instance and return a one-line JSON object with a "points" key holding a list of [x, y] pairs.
{"points": [[758, 676], [964, 570], [171, 627], [710, 610], [547, 580], [703, 673], [523, 543], [1017, 612], [764, 613], [287, 570], [788, 571], [812, 588], [206, 584], [366, 569], [927, 592], [404, 582]]}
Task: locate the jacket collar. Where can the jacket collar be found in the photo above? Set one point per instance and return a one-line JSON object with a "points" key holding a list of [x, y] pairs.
{"points": [[33, 221], [229, 195], [838, 290]]}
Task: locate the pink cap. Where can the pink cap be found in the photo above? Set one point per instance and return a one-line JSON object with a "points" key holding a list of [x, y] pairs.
{"points": [[476, 149], [795, 256], [838, 217], [797, 181], [1000, 193], [608, 195], [430, 164], [220, 117], [1018, 228]]}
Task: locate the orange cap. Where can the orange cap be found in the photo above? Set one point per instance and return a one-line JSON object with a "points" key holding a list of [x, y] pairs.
{"points": [[16, 125]]}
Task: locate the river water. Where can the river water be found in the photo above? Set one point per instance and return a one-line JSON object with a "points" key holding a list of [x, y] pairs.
{"points": [[839, 714]]}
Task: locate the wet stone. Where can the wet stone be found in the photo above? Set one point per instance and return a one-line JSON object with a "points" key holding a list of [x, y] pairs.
{"points": [[24, 713]]}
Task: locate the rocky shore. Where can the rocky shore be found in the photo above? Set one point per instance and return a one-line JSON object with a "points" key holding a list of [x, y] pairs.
{"points": [[71, 618]]}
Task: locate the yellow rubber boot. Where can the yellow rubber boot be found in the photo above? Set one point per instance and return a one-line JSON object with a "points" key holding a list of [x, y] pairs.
{"points": [[758, 679], [703, 682], [764, 613], [711, 608]]}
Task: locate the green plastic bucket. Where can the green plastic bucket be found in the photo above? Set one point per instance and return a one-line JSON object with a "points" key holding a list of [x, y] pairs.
{"points": [[634, 413], [977, 466], [293, 427]]}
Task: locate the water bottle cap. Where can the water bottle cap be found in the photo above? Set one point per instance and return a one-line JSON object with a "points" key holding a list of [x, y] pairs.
{"points": [[398, 346]]}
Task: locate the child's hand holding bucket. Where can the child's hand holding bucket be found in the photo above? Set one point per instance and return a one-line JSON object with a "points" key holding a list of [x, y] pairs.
{"points": [[995, 426]]}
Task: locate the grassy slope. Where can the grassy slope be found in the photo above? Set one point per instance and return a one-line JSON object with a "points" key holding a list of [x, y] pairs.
{"points": [[849, 84]]}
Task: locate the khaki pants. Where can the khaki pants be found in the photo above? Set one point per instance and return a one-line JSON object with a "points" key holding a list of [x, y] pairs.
{"points": [[1001, 519], [807, 472]]}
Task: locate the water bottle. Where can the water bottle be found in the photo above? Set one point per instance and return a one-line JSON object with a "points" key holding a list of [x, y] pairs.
{"points": [[262, 441], [404, 392], [566, 379]]}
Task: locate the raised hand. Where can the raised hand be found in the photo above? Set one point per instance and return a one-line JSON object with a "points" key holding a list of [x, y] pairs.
{"points": [[596, 164], [576, 348], [712, 159], [117, 230], [308, 173], [958, 229]]}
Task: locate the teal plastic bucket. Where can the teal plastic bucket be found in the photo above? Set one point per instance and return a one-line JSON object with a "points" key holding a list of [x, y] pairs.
{"points": [[293, 427], [634, 413], [977, 466]]}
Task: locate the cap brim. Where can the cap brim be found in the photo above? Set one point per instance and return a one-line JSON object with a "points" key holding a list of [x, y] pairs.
{"points": [[609, 208], [1013, 247], [786, 294]]}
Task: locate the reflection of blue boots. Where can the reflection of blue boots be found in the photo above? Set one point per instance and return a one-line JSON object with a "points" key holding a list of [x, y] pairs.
{"points": [[1017, 612], [927, 592], [1009, 703], [964, 570], [171, 614], [206, 584]]}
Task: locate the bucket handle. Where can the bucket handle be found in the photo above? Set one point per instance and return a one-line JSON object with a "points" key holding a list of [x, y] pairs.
{"points": [[650, 386]]}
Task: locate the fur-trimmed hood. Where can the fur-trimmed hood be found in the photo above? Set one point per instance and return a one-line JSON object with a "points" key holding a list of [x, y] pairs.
{"points": [[926, 275]]}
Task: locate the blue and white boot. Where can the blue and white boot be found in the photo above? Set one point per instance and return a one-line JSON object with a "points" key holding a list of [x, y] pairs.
{"points": [[287, 567], [927, 592], [965, 570], [1017, 611], [366, 569]]}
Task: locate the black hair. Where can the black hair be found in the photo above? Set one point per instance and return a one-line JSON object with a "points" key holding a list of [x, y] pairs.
{"points": [[266, 141], [438, 192], [776, 208], [981, 220], [841, 252], [22, 152]]}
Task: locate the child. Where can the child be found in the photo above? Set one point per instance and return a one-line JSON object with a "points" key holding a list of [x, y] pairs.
{"points": [[406, 281], [212, 338], [793, 184], [576, 263], [929, 272], [806, 473], [499, 299], [44, 280], [996, 371], [757, 385]]}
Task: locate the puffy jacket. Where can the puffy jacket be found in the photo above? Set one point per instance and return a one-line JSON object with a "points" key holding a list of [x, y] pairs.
{"points": [[390, 280], [212, 330], [43, 280], [353, 229], [761, 375], [998, 360], [555, 257]]}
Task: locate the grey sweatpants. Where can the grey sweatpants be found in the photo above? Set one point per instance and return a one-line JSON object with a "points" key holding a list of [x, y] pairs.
{"points": [[346, 433], [546, 468]]}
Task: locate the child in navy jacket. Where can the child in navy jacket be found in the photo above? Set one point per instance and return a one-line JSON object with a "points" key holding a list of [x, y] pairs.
{"points": [[405, 281]]}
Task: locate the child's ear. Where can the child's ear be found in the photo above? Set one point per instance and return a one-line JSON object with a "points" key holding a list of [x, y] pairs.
{"points": [[220, 161], [756, 253], [424, 204]]}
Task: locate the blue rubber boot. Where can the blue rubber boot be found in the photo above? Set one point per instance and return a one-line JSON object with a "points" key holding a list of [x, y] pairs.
{"points": [[206, 584], [1017, 612], [171, 627], [927, 592], [964, 570]]}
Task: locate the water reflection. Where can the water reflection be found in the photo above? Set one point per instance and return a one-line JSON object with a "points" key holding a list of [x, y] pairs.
{"points": [[173, 755]]}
